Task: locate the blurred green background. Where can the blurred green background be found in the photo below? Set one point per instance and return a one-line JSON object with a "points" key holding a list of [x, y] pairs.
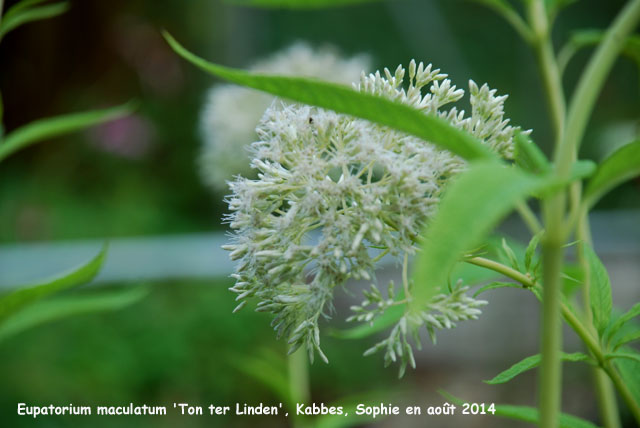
{"points": [[139, 178], [103, 53]]}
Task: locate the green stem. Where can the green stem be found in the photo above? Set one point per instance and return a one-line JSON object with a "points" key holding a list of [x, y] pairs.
{"points": [[580, 110], [550, 382], [591, 81], [604, 388], [567, 144], [549, 69], [529, 218], [298, 382], [502, 269], [585, 334], [623, 390], [606, 399], [550, 367], [512, 17]]}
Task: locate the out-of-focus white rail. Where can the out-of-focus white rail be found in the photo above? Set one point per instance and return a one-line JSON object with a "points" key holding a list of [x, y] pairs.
{"points": [[616, 234]]}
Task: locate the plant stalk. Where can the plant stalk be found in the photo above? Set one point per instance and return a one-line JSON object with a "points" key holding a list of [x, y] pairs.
{"points": [[591, 81], [550, 380], [529, 218], [624, 390], [604, 388], [580, 110], [586, 335], [549, 69], [298, 383]]}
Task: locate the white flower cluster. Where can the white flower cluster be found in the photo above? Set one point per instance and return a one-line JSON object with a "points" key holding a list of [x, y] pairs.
{"points": [[442, 312], [331, 188], [231, 112]]}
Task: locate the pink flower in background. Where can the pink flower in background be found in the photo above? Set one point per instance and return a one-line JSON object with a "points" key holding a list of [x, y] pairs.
{"points": [[129, 137]]}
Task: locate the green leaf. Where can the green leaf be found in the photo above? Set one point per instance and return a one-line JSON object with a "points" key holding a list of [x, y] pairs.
{"points": [[471, 274], [343, 99], [297, 4], [511, 256], [572, 279], [495, 285], [630, 371], [526, 414], [530, 252], [62, 307], [268, 369], [25, 12], [599, 291], [627, 338], [530, 414], [43, 129], [623, 354], [15, 300], [619, 322], [473, 204], [580, 170], [591, 37], [388, 318], [528, 156], [530, 363], [620, 166]]}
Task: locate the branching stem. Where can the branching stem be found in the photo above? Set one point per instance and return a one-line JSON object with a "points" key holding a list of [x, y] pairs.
{"points": [[579, 327]]}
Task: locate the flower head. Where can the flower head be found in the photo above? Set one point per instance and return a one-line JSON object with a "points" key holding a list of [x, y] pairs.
{"points": [[231, 113], [333, 192]]}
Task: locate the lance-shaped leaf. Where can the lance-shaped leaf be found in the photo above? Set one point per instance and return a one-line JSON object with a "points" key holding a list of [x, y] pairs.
{"points": [[630, 371], [28, 11], [526, 414], [585, 38], [268, 369], [626, 354], [619, 322], [297, 4], [599, 290], [43, 129], [494, 286], [57, 308], [580, 170], [626, 339], [471, 207], [17, 299], [620, 166], [528, 155], [530, 414], [530, 363], [343, 99]]}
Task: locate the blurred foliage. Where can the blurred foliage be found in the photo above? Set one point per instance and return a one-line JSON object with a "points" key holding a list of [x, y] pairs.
{"points": [[176, 345], [139, 177]]}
